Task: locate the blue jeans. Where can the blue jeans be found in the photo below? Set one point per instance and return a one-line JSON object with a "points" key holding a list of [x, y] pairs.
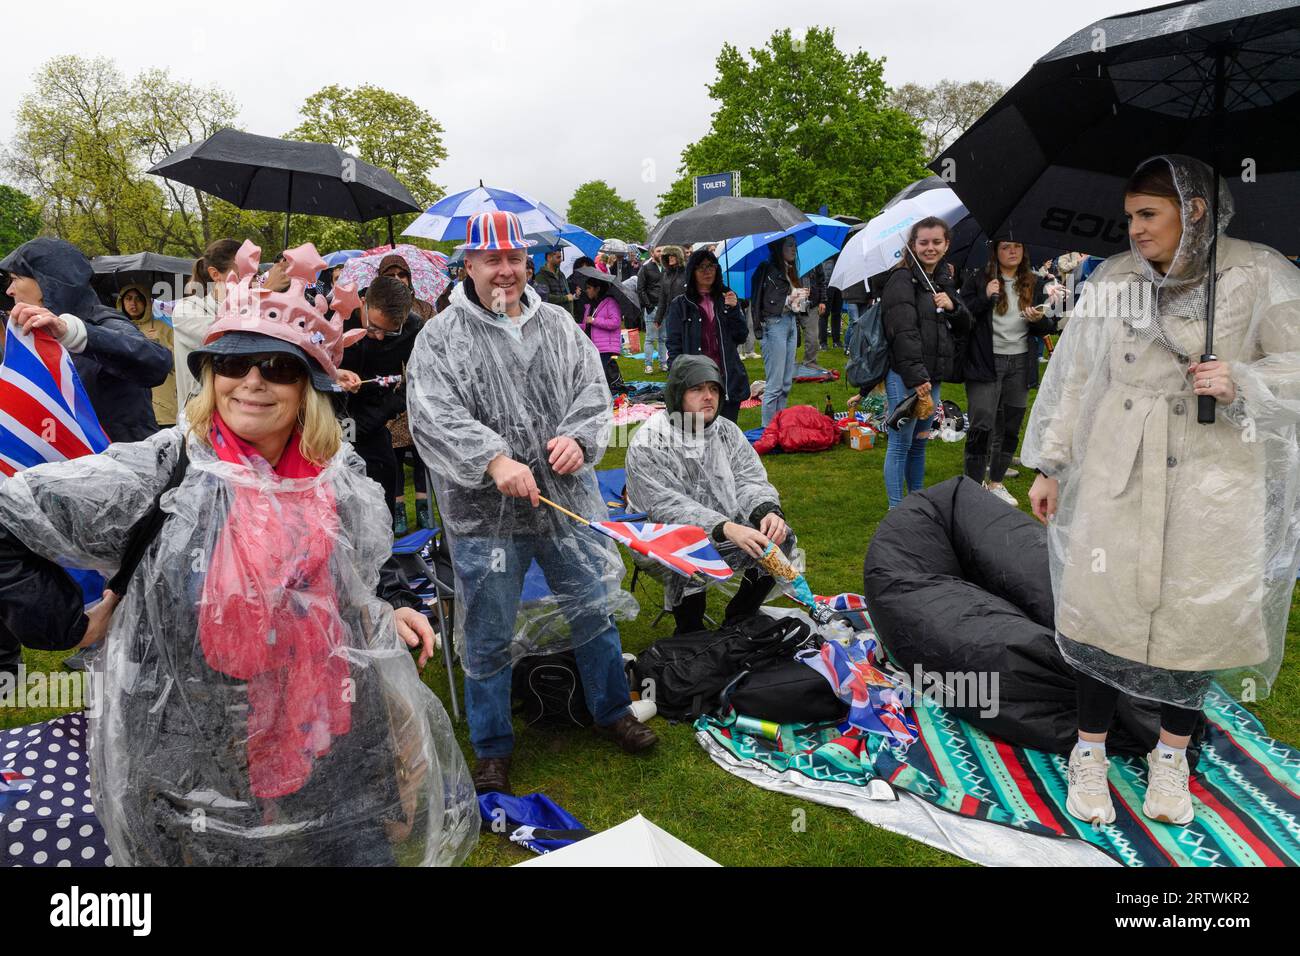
{"points": [[658, 335], [852, 311], [490, 577], [780, 338], [904, 455]]}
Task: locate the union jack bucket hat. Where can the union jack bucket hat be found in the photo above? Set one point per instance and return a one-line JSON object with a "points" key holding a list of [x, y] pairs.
{"points": [[488, 231]]}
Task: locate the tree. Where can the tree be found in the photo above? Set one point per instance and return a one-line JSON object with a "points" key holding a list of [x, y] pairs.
{"points": [[596, 207], [379, 127], [20, 219], [946, 110], [803, 121]]}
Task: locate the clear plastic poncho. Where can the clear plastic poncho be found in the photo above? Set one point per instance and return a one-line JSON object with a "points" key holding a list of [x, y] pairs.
{"points": [[679, 473], [1174, 547], [213, 741], [481, 385]]}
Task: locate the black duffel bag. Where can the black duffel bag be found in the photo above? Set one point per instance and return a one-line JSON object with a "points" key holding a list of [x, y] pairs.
{"points": [[787, 692], [687, 674]]}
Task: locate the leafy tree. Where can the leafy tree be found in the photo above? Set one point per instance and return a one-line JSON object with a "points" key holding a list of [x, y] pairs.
{"points": [[804, 121], [947, 109], [596, 207], [382, 128], [20, 219]]}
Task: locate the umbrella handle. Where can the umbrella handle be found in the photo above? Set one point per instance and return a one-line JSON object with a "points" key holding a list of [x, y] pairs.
{"points": [[1205, 403]]}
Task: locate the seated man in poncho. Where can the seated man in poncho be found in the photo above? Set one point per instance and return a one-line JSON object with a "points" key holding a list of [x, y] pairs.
{"points": [[686, 465]]}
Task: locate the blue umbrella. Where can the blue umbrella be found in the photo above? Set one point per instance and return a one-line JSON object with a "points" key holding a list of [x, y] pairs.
{"points": [[446, 219], [570, 235], [343, 255], [815, 241]]}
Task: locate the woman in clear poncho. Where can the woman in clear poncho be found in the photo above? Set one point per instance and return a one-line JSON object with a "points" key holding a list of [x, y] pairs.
{"points": [[1173, 544], [256, 704]]}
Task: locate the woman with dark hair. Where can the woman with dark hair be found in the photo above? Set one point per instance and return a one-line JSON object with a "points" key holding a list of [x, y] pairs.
{"points": [[706, 320], [1006, 302], [1173, 543], [135, 302], [603, 321], [576, 286], [195, 313], [777, 302], [926, 322]]}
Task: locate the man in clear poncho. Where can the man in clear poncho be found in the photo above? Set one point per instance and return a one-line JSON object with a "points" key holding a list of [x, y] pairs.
{"points": [[1173, 544], [687, 465], [255, 702], [507, 404]]}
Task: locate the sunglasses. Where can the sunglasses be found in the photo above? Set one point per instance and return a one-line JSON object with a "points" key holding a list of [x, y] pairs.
{"points": [[278, 369]]}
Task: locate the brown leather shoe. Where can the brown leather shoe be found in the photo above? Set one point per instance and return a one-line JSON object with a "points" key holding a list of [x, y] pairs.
{"points": [[629, 733], [492, 774]]}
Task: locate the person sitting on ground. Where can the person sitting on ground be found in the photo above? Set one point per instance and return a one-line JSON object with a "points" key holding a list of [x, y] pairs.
{"points": [[49, 280], [391, 328], [689, 465]]}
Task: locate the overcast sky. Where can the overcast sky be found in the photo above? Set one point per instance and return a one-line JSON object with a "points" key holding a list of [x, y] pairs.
{"points": [[533, 96]]}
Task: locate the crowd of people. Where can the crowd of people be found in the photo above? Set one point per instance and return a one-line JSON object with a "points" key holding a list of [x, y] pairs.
{"points": [[256, 418]]}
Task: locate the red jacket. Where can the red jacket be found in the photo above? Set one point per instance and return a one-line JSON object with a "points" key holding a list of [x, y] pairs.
{"points": [[799, 428]]}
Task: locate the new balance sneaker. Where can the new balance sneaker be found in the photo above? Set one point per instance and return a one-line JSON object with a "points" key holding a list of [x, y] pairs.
{"points": [[1089, 797], [1000, 491], [1168, 799]]}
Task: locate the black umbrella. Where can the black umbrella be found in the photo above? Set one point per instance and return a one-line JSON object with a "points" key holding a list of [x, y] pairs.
{"points": [[1219, 81], [281, 175], [726, 217], [630, 308], [114, 273]]}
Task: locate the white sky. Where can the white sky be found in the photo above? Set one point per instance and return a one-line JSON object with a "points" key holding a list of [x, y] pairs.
{"points": [[532, 96]]}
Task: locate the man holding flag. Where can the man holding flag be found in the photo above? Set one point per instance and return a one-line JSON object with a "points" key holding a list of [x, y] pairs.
{"points": [[688, 466], [507, 405]]}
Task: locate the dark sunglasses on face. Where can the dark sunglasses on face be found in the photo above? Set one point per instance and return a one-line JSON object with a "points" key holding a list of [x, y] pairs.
{"points": [[276, 368]]}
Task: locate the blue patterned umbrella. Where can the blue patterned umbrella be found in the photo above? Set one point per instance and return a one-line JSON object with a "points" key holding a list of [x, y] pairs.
{"points": [[815, 241], [446, 219]]}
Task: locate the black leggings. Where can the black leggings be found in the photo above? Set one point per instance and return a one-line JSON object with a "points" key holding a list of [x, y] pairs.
{"points": [[754, 586], [1097, 702], [417, 466]]}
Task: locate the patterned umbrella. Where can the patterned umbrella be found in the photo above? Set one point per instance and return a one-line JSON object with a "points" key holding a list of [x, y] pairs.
{"points": [[446, 219], [429, 279], [815, 241]]}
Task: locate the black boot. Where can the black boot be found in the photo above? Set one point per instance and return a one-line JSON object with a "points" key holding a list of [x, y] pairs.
{"points": [[689, 614], [749, 598]]}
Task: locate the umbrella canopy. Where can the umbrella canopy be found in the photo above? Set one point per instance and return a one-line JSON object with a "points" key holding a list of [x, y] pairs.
{"points": [[726, 217], [280, 175], [112, 273], [626, 299], [428, 280], [334, 259], [447, 218], [1051, 156], [615, 247], [815, 241]]}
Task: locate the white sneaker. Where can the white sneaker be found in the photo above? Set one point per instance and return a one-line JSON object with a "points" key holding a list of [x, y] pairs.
{"points": [[649, 369], [999, 491], [1089, 798], [1011, 473], [1168, 799]]}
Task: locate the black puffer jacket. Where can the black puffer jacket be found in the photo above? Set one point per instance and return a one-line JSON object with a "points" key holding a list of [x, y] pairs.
{"points": [[374, 405], [118, 366], [979, 347], [924, 345], [673, 282]]}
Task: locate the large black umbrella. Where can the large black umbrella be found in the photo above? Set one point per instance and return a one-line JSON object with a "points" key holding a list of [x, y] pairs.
{"points": [[281, 175], [628, 306], [726, 217], [1219, 81], [113, 273]]}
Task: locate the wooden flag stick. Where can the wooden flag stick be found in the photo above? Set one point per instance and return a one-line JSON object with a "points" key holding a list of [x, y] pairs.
{"points": [[563, 510]]}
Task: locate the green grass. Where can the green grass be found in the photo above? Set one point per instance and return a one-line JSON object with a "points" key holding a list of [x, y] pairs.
{"points": [[834, 501]]}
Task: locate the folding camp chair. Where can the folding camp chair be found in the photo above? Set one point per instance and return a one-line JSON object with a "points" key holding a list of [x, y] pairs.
{"points": [[413, 568]]}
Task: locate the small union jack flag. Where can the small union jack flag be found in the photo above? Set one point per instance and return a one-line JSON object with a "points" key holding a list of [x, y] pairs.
{"points": [[682, 548]]}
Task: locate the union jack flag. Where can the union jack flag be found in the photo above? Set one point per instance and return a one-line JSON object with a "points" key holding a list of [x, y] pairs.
{"points": [[849, 607], [872, 695], [44, 412], [682, 548]]}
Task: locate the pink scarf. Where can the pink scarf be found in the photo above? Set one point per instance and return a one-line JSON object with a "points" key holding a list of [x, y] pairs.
{"points": [[269, 616]]}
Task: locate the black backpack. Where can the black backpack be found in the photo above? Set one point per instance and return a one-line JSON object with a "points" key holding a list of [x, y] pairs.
{"points": [[548, 690], [691, 674]]}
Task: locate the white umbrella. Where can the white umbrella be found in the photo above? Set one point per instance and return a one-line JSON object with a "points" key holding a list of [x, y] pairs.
{"points": [[876, 248]]}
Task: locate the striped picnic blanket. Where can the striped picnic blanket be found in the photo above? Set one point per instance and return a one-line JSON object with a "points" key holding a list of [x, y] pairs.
{"points": [[1246, 788]]}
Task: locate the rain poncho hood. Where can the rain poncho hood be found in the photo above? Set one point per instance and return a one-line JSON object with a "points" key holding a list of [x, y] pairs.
{"points": [[687, 372], [482, 385], [201, 751], [63, 274], [1175, 544]]}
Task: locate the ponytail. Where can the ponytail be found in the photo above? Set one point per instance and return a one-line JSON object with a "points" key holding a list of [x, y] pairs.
{"points": [[219, 255]]}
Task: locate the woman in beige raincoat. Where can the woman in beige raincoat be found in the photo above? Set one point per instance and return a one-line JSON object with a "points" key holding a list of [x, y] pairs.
{"points": [[136, 304], [1173, 544]]}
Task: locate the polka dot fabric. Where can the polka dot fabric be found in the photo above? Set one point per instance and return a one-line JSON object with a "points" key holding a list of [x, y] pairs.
{"points": [[52, 824]]}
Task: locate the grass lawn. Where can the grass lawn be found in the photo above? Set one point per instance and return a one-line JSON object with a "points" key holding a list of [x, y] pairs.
{"points": [[833, 501]]}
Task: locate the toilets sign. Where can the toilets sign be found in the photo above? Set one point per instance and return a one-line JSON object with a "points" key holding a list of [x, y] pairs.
{"points": [[718, 184]]}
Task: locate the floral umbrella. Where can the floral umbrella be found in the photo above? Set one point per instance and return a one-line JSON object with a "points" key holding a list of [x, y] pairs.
{"points": [[429, 278]]}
